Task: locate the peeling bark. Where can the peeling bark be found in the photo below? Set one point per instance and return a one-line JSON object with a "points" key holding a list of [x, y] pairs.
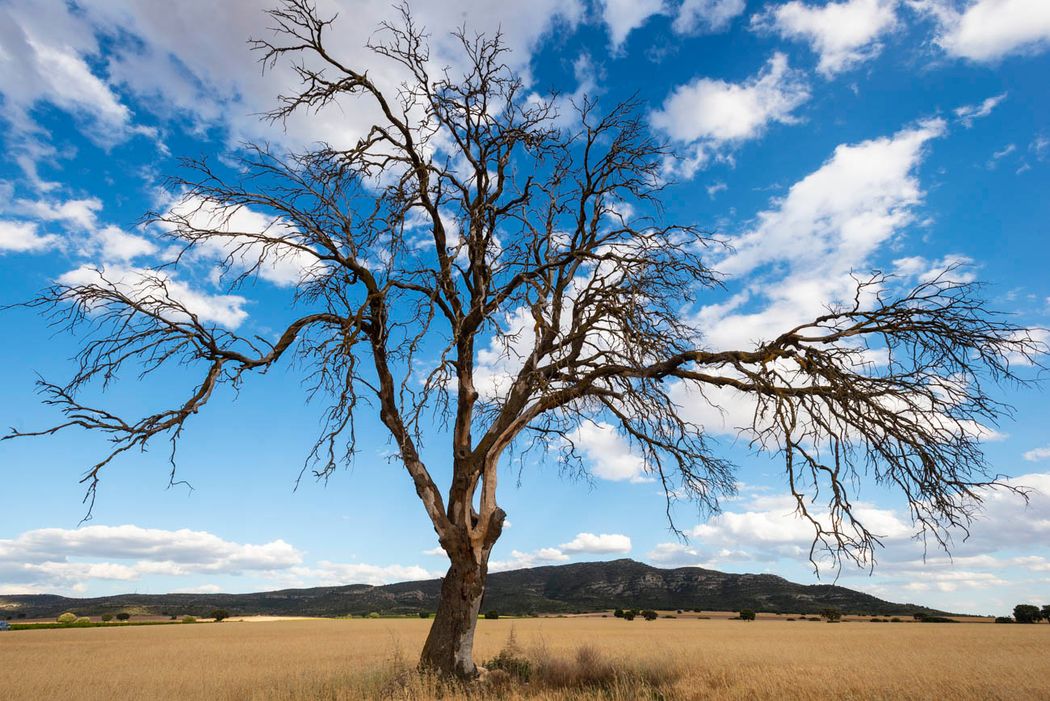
{"points": [[449, 649]]}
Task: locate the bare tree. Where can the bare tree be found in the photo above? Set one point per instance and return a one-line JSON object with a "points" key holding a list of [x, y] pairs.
{"points": [[466, 219]]}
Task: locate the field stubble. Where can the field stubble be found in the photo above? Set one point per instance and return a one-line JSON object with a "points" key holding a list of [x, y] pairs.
{"points": [[667, 659]]}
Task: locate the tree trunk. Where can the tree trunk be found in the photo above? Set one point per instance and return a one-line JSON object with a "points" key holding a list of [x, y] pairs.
{"points": [[449, 649]]}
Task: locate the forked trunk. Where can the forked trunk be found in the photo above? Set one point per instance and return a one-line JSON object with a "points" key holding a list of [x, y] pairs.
{"points": [[449, 649]]}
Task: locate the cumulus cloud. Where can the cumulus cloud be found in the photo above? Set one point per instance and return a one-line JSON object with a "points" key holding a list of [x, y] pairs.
{"points": [[843, 34], [333, 574], [582, 544], [607, 452], [161, 288], [59, 558], [603, 543], [706, 16], [522, 560], [830, 223], [83, 233], [708, 115], [621, 17], [1037, 454], [763, 532], [170, 60], [968, 114], [989, 30], [23, 237], [72, 560]]}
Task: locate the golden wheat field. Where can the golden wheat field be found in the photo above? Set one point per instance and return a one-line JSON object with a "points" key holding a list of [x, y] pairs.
{"points": [[568, 658]]}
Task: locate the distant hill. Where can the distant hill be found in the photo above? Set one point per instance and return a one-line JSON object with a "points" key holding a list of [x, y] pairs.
{"points": [[583, 587]]}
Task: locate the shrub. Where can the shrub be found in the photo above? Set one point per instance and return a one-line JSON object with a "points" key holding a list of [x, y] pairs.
{"points": [[895, 620], [791, 619], [123, 616], [1026, 613], [1045, 612], [492, 615], [1003, 619], [747, 615], [107, 617], [831, 615], [189, 619], [373, 615], [649, 615], [67, 618], [82, 621], [618, 613], [219, 615], [424, 614], [628, 615]]}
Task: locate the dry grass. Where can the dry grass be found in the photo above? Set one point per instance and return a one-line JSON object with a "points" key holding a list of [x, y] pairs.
{"points": [[572, 658]]}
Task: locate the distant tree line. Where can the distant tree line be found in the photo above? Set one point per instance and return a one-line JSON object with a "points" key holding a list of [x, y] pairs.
{"points": [[1027, 613]]}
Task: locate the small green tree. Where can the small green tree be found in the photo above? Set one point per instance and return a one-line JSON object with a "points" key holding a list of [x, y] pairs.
{"points": [[628, 615], [219, 615], [424, 614], [649, 615], [189, 619], [82, 621], [492, 615], [1046, 613], [1026, 613], [107, 617], [67, 618], [747, 615], [831, 615], [373, 615], [618, 613], [122, 616]]}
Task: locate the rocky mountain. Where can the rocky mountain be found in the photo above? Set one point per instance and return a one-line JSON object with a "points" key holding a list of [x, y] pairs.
{"points": [[583, 587]]}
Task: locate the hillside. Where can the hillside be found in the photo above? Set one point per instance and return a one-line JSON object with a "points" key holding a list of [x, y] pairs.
{"points": [[590, 586]]}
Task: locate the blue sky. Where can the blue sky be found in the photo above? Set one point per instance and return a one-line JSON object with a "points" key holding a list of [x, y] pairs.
{"points": [[819, 137]]}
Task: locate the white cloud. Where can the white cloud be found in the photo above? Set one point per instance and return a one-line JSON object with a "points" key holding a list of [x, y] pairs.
{"points": [[608, 453], [282, 265], [621, 17], [709, 114], [830, 223], [1036, 454], [333, 574], [23, 237], [79, 218], [191, 60], [988, 30], [113, 243], [968, 114], [842, 33], [51, 560], [763, 532], [158, 289], [602, 543], [75, 214], [56, 558], [704, 16], [521, 560]]}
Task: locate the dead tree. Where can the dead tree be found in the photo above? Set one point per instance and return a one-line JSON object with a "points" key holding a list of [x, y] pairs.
{"points": [[464, 220]]}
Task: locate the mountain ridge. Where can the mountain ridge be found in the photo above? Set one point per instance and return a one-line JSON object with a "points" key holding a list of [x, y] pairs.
{"points": [[549, 589]]}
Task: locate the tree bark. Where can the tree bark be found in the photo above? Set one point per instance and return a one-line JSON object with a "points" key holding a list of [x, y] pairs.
{"points": [[449, 649]]}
